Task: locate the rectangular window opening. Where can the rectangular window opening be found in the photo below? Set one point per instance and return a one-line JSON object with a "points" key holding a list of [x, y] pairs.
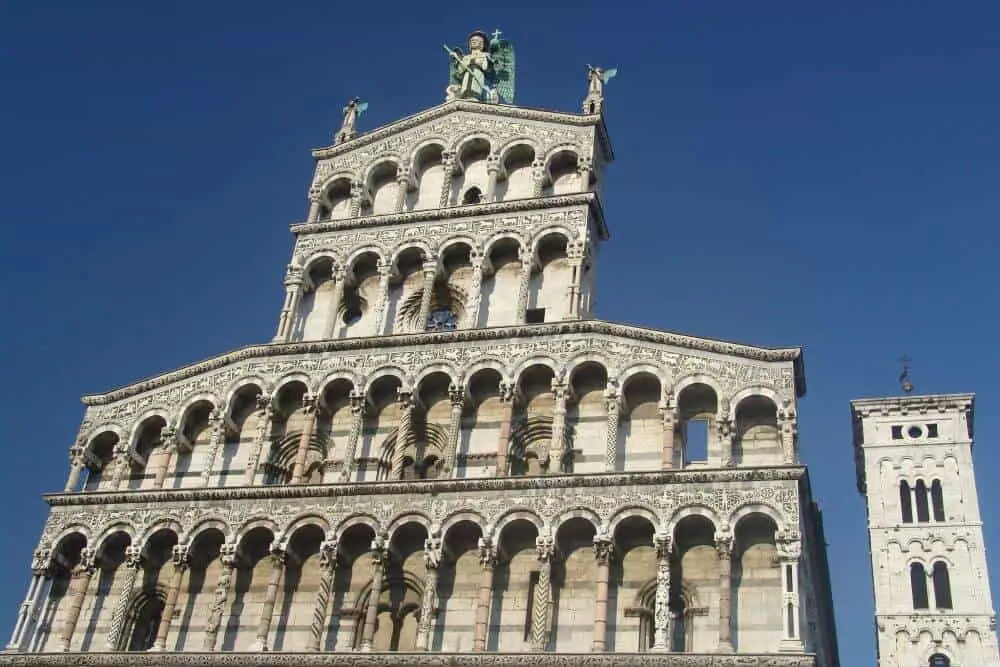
{"points": [[696, 440], [932, 431], [789, 583], [897, 432], [534, 316]]}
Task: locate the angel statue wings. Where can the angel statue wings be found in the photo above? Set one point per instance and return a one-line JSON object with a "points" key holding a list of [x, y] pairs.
{"points": [[485, 73]]}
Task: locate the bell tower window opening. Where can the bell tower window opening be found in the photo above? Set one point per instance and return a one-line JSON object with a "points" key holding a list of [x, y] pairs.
{"points": [[923, 510], [918, 586], [942, 586], [906, 502], [472, 196], [937, 500]]}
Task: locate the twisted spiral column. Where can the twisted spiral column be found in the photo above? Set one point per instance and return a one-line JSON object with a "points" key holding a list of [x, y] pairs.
{"points": [[132, 565], [327, 570], [227, 555]]}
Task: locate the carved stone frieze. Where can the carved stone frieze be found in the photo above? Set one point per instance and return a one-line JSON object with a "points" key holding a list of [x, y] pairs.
{"points": [[549, 499], [675, 356], [353, 659]]}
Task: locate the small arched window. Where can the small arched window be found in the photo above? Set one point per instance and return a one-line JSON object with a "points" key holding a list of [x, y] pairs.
{"points": [[937, 500], [918, 586], [923, 510], [942, 586], [472, 196], [939, 660], [906, 501]]}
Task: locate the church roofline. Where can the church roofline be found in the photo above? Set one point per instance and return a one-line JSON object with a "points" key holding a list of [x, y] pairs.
{"points": [[505, 110], [600, 327], [901, 405], [464, 211]]}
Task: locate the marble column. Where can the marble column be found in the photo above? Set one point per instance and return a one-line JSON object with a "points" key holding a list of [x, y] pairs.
{"points": [[524, 285], [382, 300], [314, 207], [449, 161], [217, 424], [538, 177], [602, 552], [180, 561], [506, 416], [492, 172], [788, 429], [75, 469], [614, 406], [339, 277], [487, 559], [425, 625], [575, 254], [121, 465], [557, 450], [357, 423], [584, 168], [661, 613], [379, 558], [724, 433], [265, 427], [404, 434], [220, 601], [724, 550], [668, 412], [427, 294], [132, 565], [321, 607], [290, 307], [456, 395], [541, 611], [81, 575], [40, 565], [789, 553], [305, 438], [475, 291], [163, 455], [403, 180], [357, 198], [277, 559]]}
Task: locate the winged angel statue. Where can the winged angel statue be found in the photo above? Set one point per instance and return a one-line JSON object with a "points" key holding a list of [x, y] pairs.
{"points": [[485, 73]]}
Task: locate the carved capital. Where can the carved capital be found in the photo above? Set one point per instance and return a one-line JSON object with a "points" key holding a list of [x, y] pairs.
{"points": [[545, 548], [664, 545], [487, 553], [603, 548], [328, 553], [228, 554], [724, 546], [133, 556], [456, 394], [357, 403], [41, 562], [87, 564], [432, 552], [309, 403], [262, 401]]}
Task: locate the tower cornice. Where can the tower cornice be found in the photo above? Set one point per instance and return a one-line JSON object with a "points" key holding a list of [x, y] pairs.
{"points": [[902, 405], [594, 327], [502, 110], [466, 211]]}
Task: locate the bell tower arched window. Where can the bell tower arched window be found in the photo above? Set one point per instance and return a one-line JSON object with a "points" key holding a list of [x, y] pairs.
{"points": [[937, 500], [939, 660], [942, 586], [918, 586], [906, 501], [923, 510]]}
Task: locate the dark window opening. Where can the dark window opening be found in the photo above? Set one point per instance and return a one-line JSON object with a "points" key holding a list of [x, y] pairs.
{"points": [[472, 196], [442, 319], [696, 440], [937, 500], [906, 502], [918, 586], [352, 315], [923, 510], [932, 431], [789, 580], [942, 586], [938, 660], [535, 316], [897, 432]]}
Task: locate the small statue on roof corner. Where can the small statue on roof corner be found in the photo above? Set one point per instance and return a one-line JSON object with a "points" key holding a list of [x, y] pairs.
{"points": [[597, 77], [349, 126], [485, 73]]}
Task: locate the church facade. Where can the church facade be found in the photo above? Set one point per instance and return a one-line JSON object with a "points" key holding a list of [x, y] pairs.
{"points": [[442, 456]]}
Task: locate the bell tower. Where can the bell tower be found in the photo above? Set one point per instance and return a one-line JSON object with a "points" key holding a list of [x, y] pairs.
{"points": [[932, 592]]}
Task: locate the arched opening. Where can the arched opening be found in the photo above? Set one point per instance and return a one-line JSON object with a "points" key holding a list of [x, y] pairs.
{"points": [[249, 588], [758, 441], [97, 462], [199, 592], [193, 443], [918, 586], [697, 405], [431, 425], [549, 286], [481, 427], [333, 425], [381, 429], [406, 287], [632, 589], [695, 568], [315, 317], [246, 411], [563, 174], [142, 621], [519, 182], [289, 421], [335, 204], [939, 660], [402, 591], [514, 581], [574, 574], [356, 315], [937, 500], [352, 577], [906, 501], [428, 169], [459, 576], [942, 586], [297, 595], [147, 441], [470, 184], [531, 429], [641, 423], [923, 510], [383, 184], [756, 586], [501, 284], [111, 578], [472, 196], [66, 556], [586, 434]]}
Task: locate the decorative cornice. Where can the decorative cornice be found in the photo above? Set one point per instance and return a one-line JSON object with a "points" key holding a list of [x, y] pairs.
{"points": [[519, 113], [431, 486], [449, 338], [902, 405], [429, 659], [465, 211]]}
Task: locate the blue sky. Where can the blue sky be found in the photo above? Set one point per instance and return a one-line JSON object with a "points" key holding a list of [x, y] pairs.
{"points": [[788, 173]]}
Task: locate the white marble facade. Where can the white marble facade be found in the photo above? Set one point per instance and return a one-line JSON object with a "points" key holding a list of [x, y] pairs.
{"points": [[932, 594], [442, 452]]}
